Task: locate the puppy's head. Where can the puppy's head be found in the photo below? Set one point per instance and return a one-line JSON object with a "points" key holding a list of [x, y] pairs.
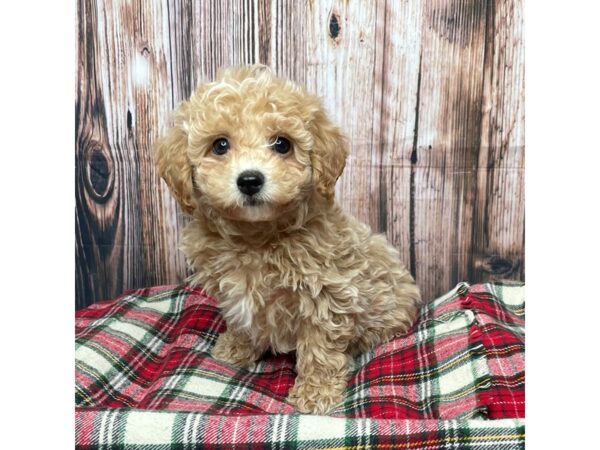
{"points": [[251, 146]]}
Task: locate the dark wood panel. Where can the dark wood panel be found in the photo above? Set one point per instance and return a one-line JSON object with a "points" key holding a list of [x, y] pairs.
{"points": [[499, 225], [445, 152], [123, 96], [97, 212]]}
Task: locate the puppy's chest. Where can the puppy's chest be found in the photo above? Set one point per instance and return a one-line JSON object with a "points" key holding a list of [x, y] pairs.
{"points": [[257, 298]]}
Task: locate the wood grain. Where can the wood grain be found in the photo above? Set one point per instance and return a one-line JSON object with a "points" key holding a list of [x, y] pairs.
{"points": [[498, 225], [444, 157], [430, 94], [124, 237], [341, 45], [395, 118]]}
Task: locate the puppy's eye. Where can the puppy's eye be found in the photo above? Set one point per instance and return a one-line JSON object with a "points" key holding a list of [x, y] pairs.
{"points": [[220, 146], [281, 145]]}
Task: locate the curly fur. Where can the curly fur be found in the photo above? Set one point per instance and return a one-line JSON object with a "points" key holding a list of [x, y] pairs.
{"points": [[294, 272]]}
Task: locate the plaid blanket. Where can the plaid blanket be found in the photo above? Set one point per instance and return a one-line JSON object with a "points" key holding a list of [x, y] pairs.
{"points": [[145, 379]]}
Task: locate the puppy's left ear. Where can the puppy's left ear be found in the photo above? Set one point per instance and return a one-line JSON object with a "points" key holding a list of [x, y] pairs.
{"points": [[328, 157], [172, 160]]}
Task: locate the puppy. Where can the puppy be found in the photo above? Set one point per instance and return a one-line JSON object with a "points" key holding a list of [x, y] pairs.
{"points": [[254, 160]]}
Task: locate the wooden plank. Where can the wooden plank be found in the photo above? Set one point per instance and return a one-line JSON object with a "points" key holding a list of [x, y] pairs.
{"points": [[125, 239], [236, 32], [341, 45], [396, 75], [223, 34], [97, 209], [287, 30], [499, 225], [445, 154]]}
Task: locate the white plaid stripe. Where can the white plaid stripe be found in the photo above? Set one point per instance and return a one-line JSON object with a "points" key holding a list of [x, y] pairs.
{"points": [[153, 430]]}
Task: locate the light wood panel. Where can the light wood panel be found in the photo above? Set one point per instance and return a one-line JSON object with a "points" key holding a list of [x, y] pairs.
{"points": [[429, 92]]}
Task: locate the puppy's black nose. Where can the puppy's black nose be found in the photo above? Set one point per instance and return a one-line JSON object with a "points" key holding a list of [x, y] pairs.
{"points": [[250, 182]]}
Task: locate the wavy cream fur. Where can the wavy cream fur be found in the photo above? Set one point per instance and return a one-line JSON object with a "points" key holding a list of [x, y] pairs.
{"points": [[295, 272]]}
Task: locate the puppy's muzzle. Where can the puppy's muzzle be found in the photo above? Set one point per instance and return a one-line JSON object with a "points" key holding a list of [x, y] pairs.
{"points": [[250, 182]]}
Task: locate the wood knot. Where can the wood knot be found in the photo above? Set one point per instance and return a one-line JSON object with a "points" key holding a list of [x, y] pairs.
{"points": [[497, 266], [129, 124], [334, 27], [99, 173]]}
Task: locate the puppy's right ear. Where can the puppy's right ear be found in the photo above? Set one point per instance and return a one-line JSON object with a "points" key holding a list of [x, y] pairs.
{"points": [[172, 160]]}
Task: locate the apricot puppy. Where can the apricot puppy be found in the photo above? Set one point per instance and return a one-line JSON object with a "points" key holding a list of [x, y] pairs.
{"points": [[254, 160]]}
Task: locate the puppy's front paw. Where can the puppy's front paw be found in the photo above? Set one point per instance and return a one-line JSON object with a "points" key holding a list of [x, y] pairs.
{"points": [[316, 398], [234, 349]]}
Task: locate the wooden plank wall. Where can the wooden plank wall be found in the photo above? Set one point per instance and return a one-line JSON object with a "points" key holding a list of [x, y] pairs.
{"points": [[430, 93]]}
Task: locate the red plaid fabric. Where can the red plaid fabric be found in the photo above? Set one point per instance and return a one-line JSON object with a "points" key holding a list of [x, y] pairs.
{"points": [[501, 326], [499, 312], [150, 350]]}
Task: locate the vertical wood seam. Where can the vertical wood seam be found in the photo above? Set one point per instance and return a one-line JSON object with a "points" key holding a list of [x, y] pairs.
{"points": [[413, 162], [382, 212]]}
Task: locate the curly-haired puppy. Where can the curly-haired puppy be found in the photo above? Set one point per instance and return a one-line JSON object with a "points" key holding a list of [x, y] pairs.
{"points": [[254, 159]]}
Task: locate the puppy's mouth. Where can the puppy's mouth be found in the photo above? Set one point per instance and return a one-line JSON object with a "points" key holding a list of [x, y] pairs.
{"points": [[253, 201], [254, 210]]}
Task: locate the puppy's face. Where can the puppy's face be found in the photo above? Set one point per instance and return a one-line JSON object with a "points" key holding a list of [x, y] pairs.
{"points": [[251, 146]]}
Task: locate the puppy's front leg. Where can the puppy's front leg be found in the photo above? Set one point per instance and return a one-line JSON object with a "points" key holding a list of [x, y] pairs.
{"points": [[236, 349], [322, 367]]}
